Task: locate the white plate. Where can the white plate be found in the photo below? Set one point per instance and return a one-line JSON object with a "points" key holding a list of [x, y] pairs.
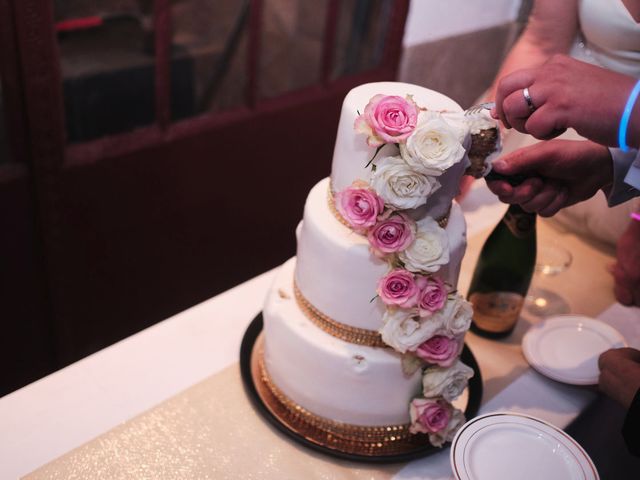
{"points": [[508, 446], [566, 347]]}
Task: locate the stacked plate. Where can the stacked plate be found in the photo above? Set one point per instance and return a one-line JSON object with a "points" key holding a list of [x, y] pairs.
{"points": [[508, 446]]}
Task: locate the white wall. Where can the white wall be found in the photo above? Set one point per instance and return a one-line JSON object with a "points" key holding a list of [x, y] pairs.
{"points": [[435, 19]]}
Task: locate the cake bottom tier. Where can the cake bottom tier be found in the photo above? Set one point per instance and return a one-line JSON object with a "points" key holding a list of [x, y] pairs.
{"points": [[331, 378]]}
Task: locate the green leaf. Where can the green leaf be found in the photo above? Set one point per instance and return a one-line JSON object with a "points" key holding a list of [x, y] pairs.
{"points": [[374, 155], [411, 364]]}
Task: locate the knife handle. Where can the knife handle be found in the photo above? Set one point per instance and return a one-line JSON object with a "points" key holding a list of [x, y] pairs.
{"points": [[513, 180]]}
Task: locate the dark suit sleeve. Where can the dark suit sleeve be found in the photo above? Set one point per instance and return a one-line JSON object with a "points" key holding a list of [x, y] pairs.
{"points": [[631, 427]]}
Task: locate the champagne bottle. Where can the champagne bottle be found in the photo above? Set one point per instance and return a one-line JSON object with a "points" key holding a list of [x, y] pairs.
{"points": [[503, 274]]}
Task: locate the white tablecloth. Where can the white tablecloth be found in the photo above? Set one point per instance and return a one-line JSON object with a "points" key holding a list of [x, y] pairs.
{"points": [[46, 419]]}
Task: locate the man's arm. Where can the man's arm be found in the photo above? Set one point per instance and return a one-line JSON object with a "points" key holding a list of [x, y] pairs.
{"points": [[620, 380], [626, 270], [626, 176], [561, 173]]}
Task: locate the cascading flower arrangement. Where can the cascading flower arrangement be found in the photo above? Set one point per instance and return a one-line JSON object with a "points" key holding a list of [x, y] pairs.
{"points": [[425, 319]]}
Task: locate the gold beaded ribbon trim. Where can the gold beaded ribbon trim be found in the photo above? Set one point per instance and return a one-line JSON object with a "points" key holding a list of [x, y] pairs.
{"points": [[332, 206], [442, 221], [374, 436], [359, 336]]}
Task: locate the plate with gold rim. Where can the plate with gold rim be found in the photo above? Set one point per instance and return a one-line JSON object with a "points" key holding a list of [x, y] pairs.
{"points": [[507, 446], [566, 348]]}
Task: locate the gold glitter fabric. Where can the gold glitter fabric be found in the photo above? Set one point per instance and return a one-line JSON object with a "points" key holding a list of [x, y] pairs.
{"points": [[209, 431], [359, 336], [442, 221]]}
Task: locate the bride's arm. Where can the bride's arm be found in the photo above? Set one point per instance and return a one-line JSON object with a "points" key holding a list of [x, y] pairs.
{"points": [[551, 29]]}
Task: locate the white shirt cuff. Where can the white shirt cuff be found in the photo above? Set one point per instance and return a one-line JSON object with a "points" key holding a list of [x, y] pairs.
{"points": [[626, 176], [633, 175]]}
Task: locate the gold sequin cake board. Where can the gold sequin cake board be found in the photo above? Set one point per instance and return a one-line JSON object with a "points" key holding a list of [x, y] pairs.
{"points": [[209, 431]]}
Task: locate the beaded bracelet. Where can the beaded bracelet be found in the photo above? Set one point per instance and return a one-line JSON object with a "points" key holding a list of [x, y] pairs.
{"points": [[626, 114]]}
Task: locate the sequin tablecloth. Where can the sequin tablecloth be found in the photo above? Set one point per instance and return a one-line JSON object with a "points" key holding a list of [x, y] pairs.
{"points": [[210, 430]]}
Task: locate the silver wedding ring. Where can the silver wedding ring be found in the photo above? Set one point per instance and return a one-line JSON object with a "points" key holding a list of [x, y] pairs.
{"points": [[527, 98]]}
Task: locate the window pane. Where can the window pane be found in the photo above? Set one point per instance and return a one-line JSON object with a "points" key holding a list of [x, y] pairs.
{"points": [[209, 56], [107, 62], [361, 36], [4, 141], [291, 45]]}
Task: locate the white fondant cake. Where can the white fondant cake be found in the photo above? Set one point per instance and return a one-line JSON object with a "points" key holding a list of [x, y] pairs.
{"points": [[336, 271], [364, 327]]}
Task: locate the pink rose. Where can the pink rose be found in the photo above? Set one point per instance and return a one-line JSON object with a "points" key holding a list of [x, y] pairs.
{"points": [[387, 119], [429, 416], [398, 288], [433, 295], [391, 235], [440, 349], [360, 207]]}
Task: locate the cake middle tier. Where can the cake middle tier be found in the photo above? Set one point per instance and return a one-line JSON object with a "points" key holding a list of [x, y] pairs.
{"points": [[331, 378], [338, 275]]}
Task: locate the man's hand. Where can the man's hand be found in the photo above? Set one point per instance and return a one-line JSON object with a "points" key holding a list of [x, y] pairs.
{"points": [[620, 374], [562, 172], [626, 271], [567, 93]]}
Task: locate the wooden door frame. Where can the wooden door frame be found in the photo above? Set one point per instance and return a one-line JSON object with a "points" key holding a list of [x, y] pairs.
{"points": [[37, 59], [34, 100], [38, 120]]}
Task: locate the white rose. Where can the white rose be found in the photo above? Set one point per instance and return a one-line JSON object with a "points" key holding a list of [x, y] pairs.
{"points": [[458, 314], [434, 145], [429, 250], [455, 316], [447, 383], [404, 331], [459, 122], [446, 434], [401, 186]]}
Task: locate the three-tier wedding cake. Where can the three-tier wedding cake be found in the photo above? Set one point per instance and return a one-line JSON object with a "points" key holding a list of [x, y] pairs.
{"points": [[363, 329]]}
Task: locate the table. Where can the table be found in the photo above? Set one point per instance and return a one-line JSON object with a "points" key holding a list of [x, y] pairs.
{"points": [[46, 419]]}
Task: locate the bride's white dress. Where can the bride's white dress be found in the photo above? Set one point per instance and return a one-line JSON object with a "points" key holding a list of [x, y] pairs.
{"points": [[609, 38]]}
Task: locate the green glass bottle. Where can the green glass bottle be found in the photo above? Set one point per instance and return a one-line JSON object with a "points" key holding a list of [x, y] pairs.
{"points": [[503, 274]]}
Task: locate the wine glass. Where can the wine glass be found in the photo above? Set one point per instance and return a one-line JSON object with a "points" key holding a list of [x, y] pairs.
{"points": [[551, 260]]}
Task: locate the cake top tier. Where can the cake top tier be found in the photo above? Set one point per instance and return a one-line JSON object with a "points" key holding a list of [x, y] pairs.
{"points": [[416, 137]]}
